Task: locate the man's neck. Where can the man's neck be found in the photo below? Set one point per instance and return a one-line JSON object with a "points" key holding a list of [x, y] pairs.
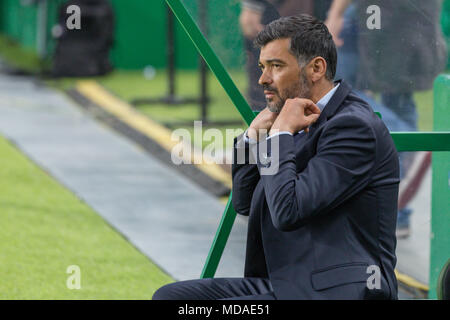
{"points": [[321, 89]]}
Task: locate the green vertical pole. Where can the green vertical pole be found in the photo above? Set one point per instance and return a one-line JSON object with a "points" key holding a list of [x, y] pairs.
{"points": [[219, 242], [440, 195]]}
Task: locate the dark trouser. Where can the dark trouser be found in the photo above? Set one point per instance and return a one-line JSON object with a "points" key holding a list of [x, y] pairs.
{"points": [[217, 289]]}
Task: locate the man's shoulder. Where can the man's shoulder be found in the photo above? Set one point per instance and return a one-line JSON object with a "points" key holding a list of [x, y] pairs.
{"points": [[356, 120], [356, 110]]}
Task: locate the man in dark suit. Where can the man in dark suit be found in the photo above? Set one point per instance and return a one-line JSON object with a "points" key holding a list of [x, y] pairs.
{"points": [[322, 199]]}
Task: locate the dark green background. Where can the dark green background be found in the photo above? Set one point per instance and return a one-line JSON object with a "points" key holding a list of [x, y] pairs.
{"points": [[140, 35]]}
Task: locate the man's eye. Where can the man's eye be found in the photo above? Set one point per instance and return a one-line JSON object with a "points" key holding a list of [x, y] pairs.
{"points": [[277, 66]]}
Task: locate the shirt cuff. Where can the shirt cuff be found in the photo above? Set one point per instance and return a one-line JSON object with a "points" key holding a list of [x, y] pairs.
{"points": [[253, 141], [279, 133]]}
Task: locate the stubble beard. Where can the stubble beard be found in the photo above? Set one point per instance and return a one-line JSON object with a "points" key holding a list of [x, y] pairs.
{"points": [[300, 89]]}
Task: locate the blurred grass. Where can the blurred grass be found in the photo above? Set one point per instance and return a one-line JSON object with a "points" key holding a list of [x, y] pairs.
{"points": [[424, 103], [45, 229], [19, 57]]}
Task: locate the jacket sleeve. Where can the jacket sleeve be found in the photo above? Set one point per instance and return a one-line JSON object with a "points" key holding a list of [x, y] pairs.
{"points": [[341, 167], [245, 176]]}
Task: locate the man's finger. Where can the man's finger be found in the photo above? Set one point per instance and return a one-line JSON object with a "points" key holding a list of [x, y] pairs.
{"points": [[312, 118], [311, 106]]}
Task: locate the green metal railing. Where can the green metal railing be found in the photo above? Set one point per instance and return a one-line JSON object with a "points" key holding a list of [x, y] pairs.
{"points": [[404, 141], [211, 59], [440, 196]]}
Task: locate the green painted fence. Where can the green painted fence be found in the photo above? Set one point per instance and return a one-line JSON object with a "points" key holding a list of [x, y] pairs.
{"points": [[140, 32], [440, 196], [20, 22], [405, 141]]}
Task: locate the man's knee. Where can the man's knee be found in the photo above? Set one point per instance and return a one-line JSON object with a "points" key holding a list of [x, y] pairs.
{"points": [[165, 293], [181, 290]]}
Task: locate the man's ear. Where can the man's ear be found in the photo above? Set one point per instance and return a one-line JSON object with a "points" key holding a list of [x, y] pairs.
{"points": [[318, 68]]}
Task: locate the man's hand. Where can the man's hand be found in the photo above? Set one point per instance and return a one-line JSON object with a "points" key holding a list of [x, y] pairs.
{"points": [[261, 125], [250, 21], [297, 114]]}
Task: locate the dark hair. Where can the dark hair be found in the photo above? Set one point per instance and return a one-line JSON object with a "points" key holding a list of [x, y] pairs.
{"points": [[310, 38]]}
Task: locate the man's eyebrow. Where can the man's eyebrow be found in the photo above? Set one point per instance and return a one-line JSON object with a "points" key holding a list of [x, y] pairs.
{"points": [[272, 61]]}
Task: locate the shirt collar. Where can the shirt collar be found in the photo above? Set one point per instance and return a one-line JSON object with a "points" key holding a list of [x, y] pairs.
{"points": [[326, 98]]}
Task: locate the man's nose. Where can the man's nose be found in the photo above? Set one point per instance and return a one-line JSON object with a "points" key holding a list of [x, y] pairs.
{"points": [[265, 78]]}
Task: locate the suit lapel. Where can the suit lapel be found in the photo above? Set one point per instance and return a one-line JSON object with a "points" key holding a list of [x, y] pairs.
{"points": [[304, 146]]}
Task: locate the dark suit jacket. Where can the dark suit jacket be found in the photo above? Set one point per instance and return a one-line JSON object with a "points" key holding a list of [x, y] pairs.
{"points": [[329, 212]]}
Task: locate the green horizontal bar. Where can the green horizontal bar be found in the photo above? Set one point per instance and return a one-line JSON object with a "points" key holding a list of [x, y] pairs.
{"points": [[421, 141]]}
